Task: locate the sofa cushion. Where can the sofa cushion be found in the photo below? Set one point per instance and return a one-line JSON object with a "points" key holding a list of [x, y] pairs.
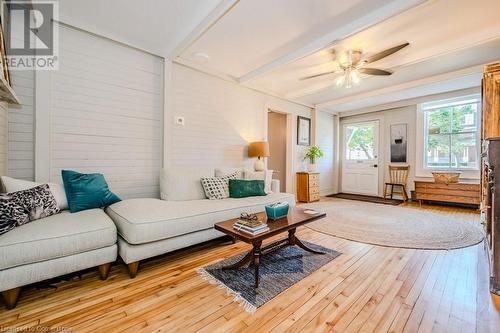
{"points": [[56, 236], [146, 220], [221, 172], [180, 184], [14, 185]]}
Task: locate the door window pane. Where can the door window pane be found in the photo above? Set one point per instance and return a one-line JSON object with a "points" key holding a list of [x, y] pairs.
{"points": [[359, 142]]}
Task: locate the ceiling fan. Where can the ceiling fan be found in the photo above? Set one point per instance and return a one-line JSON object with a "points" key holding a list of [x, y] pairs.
{"points": [[355, 64]]}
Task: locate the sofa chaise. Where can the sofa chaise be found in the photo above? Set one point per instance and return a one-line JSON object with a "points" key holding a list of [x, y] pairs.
{"points": [[56, 245], [150, 227]]}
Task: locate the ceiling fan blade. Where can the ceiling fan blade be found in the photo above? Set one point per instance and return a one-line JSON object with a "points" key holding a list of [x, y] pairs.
{"points": [[317, 75], [374, 71], [385, 53]]}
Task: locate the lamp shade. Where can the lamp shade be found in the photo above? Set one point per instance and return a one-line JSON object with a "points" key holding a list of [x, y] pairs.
{"points": [[258, 149]]}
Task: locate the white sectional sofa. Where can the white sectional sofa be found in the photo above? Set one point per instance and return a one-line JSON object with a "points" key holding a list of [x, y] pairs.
{"points": [[150, 227], [53, 246]]}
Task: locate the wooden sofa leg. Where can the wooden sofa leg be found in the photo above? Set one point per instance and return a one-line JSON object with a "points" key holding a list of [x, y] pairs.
{"points": [[104, 270], [11, 297], [133, 267]]}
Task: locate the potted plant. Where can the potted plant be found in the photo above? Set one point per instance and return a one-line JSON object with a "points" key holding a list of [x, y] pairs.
{"points": [[312, 154]]}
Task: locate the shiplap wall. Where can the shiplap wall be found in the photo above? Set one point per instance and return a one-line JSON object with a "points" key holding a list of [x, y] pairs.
{"points": [[106, 113], [221, 118], [324, 139], [3, 137], [21, 153]]}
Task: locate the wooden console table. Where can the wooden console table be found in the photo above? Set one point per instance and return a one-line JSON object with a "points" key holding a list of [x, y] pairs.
{"points": [[464, 193]]}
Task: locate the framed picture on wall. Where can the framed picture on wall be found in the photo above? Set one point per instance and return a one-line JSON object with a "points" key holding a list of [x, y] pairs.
{"points": [[303, 131], [398, 143]]}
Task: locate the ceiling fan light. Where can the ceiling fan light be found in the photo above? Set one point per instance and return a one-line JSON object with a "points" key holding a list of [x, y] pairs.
{"points": [[340, 81], [354, 77]]}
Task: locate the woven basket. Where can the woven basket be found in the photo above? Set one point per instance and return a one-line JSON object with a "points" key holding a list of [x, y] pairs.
{"points": [[446, 177]]}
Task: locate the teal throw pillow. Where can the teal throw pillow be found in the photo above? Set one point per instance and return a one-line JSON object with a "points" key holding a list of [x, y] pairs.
{"points": [[242, 188], [87, 191]]}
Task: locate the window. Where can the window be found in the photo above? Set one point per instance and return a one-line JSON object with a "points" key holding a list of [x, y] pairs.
{"points": [[359, 140], [451, 131]]}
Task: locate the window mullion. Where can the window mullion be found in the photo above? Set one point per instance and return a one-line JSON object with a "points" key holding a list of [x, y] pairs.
{"points": [[450, 121]]}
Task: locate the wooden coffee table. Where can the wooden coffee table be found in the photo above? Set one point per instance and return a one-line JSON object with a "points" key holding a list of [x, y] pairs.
{"points": [[296, 217]]}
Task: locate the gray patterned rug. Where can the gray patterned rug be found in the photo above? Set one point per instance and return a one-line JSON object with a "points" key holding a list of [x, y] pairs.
{"points": [[279, 270]]}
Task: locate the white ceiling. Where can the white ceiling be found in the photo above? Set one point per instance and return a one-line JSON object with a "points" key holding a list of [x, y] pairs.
{"points": [[269, 45], [156, 26], [256, 32]]}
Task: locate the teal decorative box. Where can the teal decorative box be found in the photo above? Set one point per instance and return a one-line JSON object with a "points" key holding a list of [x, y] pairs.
{"points": [[277, 211]]}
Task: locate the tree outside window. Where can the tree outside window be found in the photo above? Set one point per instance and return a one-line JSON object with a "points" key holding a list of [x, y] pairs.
{"points": [[452, 137]]}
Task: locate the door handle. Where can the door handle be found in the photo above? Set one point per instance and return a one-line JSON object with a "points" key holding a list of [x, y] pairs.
{"points": [[375, 166]]}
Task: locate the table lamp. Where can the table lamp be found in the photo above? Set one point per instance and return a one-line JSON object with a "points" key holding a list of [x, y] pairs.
{"points": [[259, 149]]}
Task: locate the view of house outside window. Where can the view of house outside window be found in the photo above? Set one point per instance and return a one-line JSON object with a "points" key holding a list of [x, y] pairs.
{"points": [[452, 134]]}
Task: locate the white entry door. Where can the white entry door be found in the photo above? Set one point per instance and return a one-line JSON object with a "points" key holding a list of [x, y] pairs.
{"points": [[360, 158]]}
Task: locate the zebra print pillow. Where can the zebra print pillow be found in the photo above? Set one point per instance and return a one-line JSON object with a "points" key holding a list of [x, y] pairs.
{"points": [[21, 207]]}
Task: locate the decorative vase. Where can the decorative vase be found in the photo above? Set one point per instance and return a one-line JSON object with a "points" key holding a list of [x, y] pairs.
{"points": [[311, 167]]}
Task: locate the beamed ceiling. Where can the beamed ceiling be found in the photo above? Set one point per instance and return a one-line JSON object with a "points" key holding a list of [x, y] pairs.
{"points": [[269, 45]]}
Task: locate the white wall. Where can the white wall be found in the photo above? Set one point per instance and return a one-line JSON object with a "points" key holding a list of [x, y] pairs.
{"points": [[21, 153], [324, 139], [221, 118], [404, 114], [3, 137], [102, 111], [387, 118]]}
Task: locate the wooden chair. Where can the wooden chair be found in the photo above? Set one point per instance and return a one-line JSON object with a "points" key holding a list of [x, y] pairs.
{"points": [[398, 176]]}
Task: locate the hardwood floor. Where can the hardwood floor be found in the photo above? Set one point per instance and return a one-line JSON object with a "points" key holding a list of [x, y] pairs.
{"points": [[367, 289]]}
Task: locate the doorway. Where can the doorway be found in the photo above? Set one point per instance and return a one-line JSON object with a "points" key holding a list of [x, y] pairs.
{"points": [[277, 138], [360, 160]]}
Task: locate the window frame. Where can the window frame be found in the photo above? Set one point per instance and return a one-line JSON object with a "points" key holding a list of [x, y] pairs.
{"points": [[422, 170], [466, 101]]}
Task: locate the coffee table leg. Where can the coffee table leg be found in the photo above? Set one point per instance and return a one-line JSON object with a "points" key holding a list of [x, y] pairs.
{"points": [[256, 261], [291, 236], [245, 260], [292, 240]]}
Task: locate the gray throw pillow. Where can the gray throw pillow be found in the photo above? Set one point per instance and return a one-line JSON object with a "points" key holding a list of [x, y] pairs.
{"points": [[21, 207]]}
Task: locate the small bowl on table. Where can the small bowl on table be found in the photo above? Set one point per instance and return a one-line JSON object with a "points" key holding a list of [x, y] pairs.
{"points": [[276, 212]]}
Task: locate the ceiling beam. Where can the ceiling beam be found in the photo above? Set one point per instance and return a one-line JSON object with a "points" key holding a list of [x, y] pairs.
{"points": [[403, 86], [380, 14], [474, 89], [202, 69], [212, 18]]}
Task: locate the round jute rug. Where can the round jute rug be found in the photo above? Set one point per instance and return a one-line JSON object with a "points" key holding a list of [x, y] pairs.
{"points": [[397, 226]]}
